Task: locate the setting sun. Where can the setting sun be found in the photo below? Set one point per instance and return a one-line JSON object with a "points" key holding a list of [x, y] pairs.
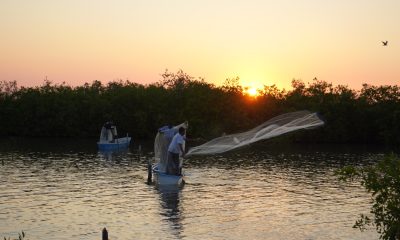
{"points": [[252, 91]]}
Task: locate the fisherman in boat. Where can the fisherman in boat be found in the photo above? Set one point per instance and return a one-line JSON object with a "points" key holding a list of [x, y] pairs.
{"points": [[161, 143], [176, 147], [111, 131]]}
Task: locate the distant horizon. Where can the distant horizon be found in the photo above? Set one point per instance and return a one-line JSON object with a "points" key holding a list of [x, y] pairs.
{"points": [[105, 82]]}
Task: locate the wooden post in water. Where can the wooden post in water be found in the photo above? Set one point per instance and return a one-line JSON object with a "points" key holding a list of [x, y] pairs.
{"points": [[139, 152], [149, 173], [105, 234]]}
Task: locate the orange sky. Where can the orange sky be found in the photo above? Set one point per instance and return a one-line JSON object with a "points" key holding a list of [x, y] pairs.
{"points": [[260, 41]]}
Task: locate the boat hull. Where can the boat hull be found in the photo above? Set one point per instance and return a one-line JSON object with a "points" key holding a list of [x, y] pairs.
{"points": [[166, 179], [118, 144]]}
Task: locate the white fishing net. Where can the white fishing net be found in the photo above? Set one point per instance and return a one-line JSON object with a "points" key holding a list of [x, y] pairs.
{"points": [[274, 127]]}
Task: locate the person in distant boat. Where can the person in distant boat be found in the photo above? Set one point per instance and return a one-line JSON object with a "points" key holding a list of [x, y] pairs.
{"points": [[176, 147], [111, 131]]}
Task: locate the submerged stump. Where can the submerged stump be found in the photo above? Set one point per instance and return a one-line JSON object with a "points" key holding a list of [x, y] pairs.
{"points": [[105, 234]]}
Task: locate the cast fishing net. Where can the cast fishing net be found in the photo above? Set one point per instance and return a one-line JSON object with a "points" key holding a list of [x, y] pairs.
{"points": [[274, 127]]}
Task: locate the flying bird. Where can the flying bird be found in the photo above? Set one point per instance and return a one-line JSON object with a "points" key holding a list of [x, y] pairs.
{"points": [[384, 43]]}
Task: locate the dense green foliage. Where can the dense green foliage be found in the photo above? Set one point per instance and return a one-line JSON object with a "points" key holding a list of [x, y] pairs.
{"points": [[383, 182], [371, 115]]}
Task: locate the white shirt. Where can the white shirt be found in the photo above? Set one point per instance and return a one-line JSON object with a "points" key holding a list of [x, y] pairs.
{"points": [[174, 146]]}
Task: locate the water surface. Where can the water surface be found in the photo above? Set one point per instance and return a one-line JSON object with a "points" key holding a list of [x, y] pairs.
{"points": [[56, 189]]}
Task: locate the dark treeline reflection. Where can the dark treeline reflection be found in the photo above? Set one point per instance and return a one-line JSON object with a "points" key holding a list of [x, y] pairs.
{"points": [[370, 115]]}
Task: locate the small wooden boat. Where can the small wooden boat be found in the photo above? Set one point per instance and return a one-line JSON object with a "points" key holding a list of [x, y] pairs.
{"points": [[117, 144], [109, 141], [161, 178]]}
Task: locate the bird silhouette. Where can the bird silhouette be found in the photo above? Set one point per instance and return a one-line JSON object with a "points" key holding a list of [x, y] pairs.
{"points": [[384, 43]]}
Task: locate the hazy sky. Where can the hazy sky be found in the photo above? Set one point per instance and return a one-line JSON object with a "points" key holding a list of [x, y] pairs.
{"points": [[260, 41]]}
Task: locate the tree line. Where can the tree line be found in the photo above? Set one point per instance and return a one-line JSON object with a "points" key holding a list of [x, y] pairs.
{"points": [[369, 115]]}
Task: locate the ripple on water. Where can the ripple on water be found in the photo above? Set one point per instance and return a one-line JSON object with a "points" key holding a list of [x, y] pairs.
{"points": [[251, 194]]}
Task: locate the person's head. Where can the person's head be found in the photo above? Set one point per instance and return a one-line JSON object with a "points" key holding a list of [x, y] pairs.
{"points": [[182, 131]]}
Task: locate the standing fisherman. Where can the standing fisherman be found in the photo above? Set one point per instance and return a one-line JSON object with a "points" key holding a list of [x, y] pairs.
{"points": [[176, 147]]}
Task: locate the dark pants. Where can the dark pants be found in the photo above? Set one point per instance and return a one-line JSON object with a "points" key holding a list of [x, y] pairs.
{"points": [[173, 164]]}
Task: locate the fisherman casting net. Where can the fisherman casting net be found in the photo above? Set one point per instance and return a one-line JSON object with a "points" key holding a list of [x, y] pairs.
{"points": [[274, 127], [161, 143]]}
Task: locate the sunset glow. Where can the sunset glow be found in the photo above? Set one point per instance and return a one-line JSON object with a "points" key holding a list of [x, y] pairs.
{"points": [[267, 42], [252, 92]]}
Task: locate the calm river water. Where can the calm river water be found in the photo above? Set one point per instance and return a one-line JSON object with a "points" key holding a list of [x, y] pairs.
{"points": [[57, 189]]}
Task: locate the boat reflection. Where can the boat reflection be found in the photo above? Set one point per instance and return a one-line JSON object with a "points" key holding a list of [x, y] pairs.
{"points": [[113, 155], [170, 197]]}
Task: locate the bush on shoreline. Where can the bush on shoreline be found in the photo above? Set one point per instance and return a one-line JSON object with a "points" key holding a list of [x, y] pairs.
{"points": [[383, 182]]}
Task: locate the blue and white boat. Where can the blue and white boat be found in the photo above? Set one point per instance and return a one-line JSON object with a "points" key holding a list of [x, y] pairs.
{"points": [[109, 141], [162, 178]]}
